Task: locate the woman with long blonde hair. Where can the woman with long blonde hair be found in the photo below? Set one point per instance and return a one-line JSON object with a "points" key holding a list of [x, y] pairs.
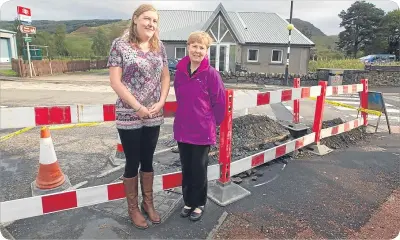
{"points": [[139, 75]]}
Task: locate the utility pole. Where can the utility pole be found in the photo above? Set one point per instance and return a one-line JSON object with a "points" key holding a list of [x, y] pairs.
{"points": [[290, 28]]}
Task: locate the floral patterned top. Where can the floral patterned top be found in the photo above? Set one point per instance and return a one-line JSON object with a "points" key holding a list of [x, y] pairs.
{"points": [[141, 74]]}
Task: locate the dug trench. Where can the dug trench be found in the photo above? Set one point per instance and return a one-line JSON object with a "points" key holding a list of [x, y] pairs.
{"points": [[252, 134]]}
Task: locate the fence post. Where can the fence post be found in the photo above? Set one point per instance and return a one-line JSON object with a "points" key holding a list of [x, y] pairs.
{"points": [[318, 118], [223, 191], [296, 103], [225, 140], [364, 100]]}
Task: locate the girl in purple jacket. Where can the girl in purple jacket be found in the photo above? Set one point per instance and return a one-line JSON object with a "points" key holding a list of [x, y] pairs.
{"points": [[200, 95]]}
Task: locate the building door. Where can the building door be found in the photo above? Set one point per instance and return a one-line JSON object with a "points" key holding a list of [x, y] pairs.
{"points": [[219, 56], [5, 52]]}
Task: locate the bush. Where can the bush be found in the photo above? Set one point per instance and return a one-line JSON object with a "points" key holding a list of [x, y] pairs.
{"points": [[336, 63]]}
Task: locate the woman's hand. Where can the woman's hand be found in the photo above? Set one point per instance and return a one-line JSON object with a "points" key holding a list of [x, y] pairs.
{"points": [[143, 112], [156, 108]]}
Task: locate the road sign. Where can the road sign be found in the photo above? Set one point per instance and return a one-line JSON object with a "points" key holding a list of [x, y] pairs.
{"points": [[28, 39], [27, 29], [24, 14]]}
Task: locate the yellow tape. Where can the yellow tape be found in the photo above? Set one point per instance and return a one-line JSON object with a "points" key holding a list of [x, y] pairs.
{"points": [[373, 112], [60, 127], [8, 136]]}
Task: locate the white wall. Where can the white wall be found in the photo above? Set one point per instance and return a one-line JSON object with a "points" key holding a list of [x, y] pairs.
{"points": [[13, 42]]}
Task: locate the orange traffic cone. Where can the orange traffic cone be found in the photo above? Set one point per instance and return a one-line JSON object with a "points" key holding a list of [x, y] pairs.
{"points": [[118, 155], [49, 177]]}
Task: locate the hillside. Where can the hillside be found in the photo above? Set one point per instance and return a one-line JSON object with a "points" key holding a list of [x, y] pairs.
{"points": [[306, 28]]}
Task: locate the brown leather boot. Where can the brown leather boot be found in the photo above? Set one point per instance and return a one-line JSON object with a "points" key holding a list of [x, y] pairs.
{"points": [[146, 182], [131, 192]]}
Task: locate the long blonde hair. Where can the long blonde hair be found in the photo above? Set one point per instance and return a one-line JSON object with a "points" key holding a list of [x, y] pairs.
{"points": [[132, 35]]}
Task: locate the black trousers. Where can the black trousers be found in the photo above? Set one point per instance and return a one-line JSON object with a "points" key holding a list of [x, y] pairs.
{"points": [[194, 160], [139, 146]]}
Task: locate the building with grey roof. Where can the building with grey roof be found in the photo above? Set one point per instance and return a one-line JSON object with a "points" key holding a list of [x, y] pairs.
{"points": [[8, 46], [255, 41]]}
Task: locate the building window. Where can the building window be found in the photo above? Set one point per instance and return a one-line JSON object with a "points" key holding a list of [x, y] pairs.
{"points": [[252, 55], [276, 56], [180, 52]]}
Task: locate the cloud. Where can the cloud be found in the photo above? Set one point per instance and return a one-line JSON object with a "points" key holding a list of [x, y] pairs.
{"points": [[323, 14]]}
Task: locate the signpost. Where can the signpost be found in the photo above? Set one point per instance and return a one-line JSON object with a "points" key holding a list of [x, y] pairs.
{"points": [[25, 16]]}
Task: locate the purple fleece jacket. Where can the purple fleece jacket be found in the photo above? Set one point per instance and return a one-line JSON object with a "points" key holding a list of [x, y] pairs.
{"points": [[201, 103]]}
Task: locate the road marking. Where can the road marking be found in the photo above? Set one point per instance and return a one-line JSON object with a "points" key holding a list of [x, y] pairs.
{"points": [[383, 118], [276, 176]]}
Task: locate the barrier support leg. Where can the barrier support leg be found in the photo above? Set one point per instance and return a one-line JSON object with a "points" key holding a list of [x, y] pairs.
{"points": [[223, 191], [319, 149], [296, 103], [364, 100], [117, 156]]}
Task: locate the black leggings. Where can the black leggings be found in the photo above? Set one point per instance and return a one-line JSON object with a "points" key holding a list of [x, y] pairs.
{"points": [[194, 160], [139, 146]]}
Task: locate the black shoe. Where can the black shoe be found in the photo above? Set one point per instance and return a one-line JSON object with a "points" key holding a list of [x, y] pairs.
{"points": [[194, 216], [186, 212]]}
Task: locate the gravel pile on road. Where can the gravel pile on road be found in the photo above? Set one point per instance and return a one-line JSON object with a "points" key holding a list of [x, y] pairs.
{"points": [[343, 140], [251, 134]]}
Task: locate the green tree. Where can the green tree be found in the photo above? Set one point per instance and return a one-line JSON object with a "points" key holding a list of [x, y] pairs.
{"points": [[59, 41], [391, 28], [361, 22], [45, 41], [19, 36], [101, 43]]}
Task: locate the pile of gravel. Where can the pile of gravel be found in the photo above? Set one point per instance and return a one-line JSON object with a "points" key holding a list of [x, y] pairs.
{"points": [[251, 134], [343, 140]]}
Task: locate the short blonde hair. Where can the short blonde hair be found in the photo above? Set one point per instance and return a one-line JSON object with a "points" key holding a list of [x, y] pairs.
{"points": [[200, 37]]}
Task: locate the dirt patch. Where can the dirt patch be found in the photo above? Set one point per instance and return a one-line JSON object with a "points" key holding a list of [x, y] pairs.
{"points": [[384, 223], [343, 140]]}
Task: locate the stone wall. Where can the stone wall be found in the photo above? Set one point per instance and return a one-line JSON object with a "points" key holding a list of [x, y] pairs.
{"points": [[375, 78]]}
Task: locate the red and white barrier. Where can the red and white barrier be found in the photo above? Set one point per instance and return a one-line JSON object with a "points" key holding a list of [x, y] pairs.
{"points": [[19, 117], [343, 89], [51, 203], [341, 128], [41, 205], [254, 99], [260, 158]]}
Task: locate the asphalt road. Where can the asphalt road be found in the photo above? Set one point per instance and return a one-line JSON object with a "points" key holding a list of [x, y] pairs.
{"points": [[330, 196]]}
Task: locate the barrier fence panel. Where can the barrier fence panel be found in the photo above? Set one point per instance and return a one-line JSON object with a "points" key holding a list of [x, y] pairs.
{"points": [[334, 91], [19, 117], [50, 203]]}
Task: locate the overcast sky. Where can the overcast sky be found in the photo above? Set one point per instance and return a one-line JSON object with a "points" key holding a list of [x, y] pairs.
{"points": [[323, 14]]}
